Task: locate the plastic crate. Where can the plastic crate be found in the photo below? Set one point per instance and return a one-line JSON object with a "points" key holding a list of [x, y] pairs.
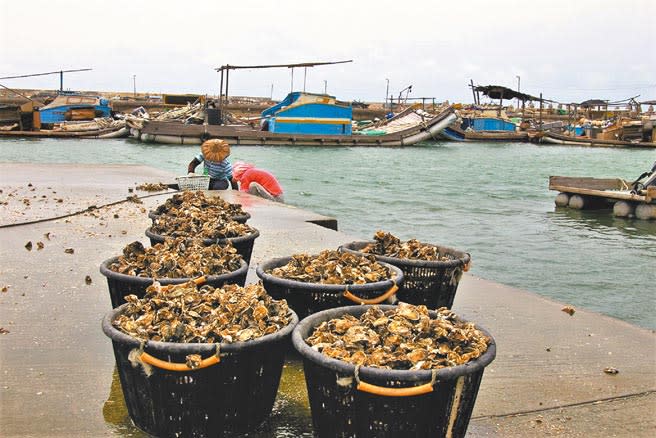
{"points": [[193, 182]]}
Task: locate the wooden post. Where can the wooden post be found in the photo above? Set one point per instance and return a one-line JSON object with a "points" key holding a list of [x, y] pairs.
{"points": [[540, 111], [471, 84]]}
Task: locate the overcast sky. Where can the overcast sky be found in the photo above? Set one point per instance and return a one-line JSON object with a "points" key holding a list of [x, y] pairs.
{"points": [[570, 50]]}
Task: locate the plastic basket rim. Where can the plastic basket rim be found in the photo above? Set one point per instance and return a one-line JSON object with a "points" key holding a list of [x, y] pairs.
{"points": [[104, 270], [193, 182], [192, 347], [304, 327], [251, 236], [317, 287], [462, 260]]}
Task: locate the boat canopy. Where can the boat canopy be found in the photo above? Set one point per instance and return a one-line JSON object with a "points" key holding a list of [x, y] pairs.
{"points": [[501, 92]]}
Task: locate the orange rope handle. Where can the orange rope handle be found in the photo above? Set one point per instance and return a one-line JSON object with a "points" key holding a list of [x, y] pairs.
{"points": [[376, 300], [173, 366], [395, 392]]}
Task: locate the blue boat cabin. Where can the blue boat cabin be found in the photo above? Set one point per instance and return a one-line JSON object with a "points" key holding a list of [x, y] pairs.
{"points": [[488, 124], [66, 107], [307, 113]]}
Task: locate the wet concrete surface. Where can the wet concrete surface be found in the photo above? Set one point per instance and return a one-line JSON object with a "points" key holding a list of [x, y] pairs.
{"points": [[58, 376]]}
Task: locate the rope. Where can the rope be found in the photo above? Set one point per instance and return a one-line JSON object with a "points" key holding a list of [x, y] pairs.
{"points": [[86, 210], [218, 351]]}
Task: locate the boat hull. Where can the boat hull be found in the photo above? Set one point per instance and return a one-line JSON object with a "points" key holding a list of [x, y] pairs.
{"points": [[179, 134], [554, 138]]}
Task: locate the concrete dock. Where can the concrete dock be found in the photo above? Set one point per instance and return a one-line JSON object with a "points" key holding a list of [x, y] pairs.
{"points": [[57, 370]]}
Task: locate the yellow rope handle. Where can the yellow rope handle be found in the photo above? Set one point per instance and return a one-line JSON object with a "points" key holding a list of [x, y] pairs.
{"points": [[173, 366], [395, 392], [376, 300]]}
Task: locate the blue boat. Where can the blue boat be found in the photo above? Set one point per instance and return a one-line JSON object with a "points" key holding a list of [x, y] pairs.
{"points": [[70, 107], [308, 113], [483, 129]]}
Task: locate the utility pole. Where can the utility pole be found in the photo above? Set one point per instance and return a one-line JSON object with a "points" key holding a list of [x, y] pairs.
{"points": [[518, 79], [325, 86], [271, 97], [304, 77], [387, 94], [134, 85]]}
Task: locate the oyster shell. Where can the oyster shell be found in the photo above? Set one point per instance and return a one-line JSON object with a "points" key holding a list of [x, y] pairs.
{"points": [[333, 267], [177, 258], [185, 313], [420, 342], [386, 244]]}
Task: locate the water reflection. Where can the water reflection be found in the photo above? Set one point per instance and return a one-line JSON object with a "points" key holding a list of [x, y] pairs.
{"points": [[604, 221], [289, 418]]}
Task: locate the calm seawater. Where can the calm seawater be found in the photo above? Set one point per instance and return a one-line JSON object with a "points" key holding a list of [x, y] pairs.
{"points": [[491, 200]]}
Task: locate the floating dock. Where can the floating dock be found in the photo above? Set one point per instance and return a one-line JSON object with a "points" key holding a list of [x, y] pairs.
{"points": [[604, 193], [57, 369]]}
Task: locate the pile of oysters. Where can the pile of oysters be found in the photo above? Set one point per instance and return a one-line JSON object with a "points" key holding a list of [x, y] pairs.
{"points": [[185, 313], [212, 204], [177, 258], [386, 244], [201, 223], [333, 267], [403, 338]]}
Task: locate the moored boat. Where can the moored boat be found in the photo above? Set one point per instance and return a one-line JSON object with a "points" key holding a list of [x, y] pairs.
{"points": [[307, 120], [563, 139]]}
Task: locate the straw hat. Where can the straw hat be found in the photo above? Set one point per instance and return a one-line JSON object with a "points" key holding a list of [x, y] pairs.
{"points": [[215, 149], [239, 168]]}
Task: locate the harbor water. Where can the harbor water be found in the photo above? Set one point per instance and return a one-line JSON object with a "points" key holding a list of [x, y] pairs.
{"points": [[489, 199]]}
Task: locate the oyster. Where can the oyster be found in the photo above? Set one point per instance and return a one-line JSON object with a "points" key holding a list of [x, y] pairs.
{"points": [[333, 267], [185, 200], [152, 187], [418, 342], [185, 313], [177, 258], [389, 245]]}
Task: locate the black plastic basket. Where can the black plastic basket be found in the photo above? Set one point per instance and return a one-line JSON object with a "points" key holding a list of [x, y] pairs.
{"points": [[243, 244], [431, 283], [121, 285], [241, 218], [235, 394], [343, 407], [308, 298]]}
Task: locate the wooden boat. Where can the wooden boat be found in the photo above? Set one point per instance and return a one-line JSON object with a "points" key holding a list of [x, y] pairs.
{"points": [[112, 132], [556, 138], [627, 199], [483, 128], [393, 133], [69, 115]]}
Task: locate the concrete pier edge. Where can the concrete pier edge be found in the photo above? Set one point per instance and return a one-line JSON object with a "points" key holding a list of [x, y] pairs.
{"points": [[57, 368]]}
